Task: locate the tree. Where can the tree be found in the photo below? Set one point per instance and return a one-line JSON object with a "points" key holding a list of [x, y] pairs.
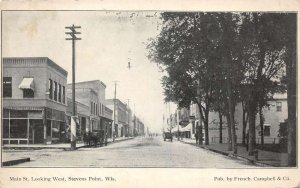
{"points": [[179, 50], [289, 24], [263, 61]]}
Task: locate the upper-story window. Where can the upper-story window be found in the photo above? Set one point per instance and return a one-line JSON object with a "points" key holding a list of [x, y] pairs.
{"points": [[97, 109], [63, 94], [7, 87], [28, 93], [55, 91], [278, 106], [59, 93], [50, 89], [91, 107], [267, 130]]}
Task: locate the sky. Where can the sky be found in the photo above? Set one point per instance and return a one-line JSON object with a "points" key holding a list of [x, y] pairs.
{"points": [[110, 39]]}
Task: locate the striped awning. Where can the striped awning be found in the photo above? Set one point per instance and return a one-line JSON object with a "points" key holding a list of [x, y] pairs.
{"points": [[27, 83]]}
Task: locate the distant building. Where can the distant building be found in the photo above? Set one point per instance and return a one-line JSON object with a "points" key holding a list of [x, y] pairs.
{"points": [[140, 127], [129, 126], [91, 110], [34, 100], [274, 114], [121, 117], [83, 113]]}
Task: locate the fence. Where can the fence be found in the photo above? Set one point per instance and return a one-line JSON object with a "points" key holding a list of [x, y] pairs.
{"points": [[267, 140]]}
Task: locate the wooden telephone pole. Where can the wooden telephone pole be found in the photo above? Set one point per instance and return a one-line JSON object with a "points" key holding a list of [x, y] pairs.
{"points": [[73, 119], [114, 123]]}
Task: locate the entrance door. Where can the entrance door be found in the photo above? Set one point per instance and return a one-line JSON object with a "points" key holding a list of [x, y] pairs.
{"points": [[37, 131], [83, 125]]}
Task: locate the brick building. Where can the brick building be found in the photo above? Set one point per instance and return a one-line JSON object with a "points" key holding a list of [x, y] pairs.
{"points": [[34, 100]]}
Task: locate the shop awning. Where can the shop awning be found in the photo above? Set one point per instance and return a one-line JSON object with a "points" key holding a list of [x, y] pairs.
{"points": [[27, 83], [182, 129], [175, 129], [55, 130], [187, 128]]}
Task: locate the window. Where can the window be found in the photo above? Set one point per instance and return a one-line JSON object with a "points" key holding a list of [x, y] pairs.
{"points": [[7, 86], [59, 93], [278, 106], [50, 89], [97, 110], [193, 127], [267, 131], [91, 107], [55, 91], [28, 93], [63, 95]]}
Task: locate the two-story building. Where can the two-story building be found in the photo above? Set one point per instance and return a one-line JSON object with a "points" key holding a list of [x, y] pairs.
{"points": [[121, 116], [34, 100], [274, 114], [93, 114]]}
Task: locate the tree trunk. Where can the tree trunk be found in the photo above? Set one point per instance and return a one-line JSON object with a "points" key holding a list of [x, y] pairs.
{"points": [[245, 120], [251, 115], [221, 128], [229, 132], [291, 91], [229, 76], [261, 122], [231, 118], [206, 126]]}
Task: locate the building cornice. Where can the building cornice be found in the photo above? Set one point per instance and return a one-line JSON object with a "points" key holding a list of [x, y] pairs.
{"points": [[33, 61]]}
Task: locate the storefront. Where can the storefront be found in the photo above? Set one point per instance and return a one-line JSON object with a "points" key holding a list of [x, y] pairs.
{"points": [[32, 126]]}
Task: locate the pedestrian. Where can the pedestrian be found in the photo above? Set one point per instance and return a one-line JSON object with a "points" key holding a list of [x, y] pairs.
{"points": [[247, 140], [197, 137]]}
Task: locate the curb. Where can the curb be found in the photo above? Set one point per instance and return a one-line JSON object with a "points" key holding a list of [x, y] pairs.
{"points": [[16, 161], [61, 148], [116, 141], [232, 155]]}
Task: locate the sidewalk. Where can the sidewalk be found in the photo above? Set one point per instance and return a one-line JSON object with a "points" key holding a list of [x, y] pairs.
{"points": [[55, 146], [265, 158], [9, 150]]}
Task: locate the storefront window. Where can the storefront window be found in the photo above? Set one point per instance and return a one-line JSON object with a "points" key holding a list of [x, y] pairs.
{"points": [[48, 128], [5, 128], [18, 128], [18, 114], [5, 113], [55, 129]]}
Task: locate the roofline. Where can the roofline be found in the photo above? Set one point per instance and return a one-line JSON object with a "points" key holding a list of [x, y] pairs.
{"points": [[89, 81], [48, 61]]}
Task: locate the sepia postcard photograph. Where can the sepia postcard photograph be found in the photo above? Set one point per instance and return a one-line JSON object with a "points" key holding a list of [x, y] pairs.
{"points": [[149, 97]]}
